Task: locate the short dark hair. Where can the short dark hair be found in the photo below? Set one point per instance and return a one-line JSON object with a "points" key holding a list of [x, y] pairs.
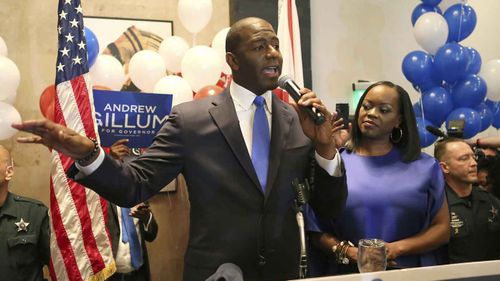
{"points": [[440, 146], [233, 37], [410, 142]]}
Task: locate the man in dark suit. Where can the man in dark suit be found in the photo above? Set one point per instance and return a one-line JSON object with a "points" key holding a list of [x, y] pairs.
{"points": [[147, 228], [241, 210]]}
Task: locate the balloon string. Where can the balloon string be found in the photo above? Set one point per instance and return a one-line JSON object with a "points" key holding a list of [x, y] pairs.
{"points": [[194, 40], [423, 114], [421, 103], [462, 11]]}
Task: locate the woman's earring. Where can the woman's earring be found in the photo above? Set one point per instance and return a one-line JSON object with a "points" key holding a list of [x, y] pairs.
{"points": [[396, 137]]}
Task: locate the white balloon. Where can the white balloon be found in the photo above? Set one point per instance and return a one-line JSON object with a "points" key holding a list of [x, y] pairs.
{"points": [[172, 49], [146, 68], [490, 72], [219, 45], [107, 71], [9, 74], [8, 115], [201, 66], [431, 31], [445, 4], [176, 86], [3, 47], [8, 96], [194, 14]]}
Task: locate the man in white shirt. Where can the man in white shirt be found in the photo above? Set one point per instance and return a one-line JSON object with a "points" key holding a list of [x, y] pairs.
{"points": [[146, 229]]}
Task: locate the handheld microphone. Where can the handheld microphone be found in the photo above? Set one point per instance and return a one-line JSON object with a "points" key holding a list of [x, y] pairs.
{"points": [[287, 83], [435, 131]]}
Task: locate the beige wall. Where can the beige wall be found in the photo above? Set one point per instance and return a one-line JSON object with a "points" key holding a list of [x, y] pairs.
{"points": [[29, 30]]}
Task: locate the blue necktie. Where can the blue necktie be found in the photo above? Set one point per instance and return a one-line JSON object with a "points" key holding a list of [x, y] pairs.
{"points": [[129, 235], [260, 141]]}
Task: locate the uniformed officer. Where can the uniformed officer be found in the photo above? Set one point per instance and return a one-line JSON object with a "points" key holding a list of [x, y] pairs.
{"points": [[24, 230], [474, 218]]}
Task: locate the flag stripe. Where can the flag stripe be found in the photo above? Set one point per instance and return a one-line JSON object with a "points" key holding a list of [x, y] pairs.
{"points": [[89, 242], [77, 192], [290, 29], [69, 107], [71, 222], [63, 243], [84, 105]]}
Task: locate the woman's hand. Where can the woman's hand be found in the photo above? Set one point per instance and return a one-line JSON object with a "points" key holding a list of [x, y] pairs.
{"points": [[352, 254]]}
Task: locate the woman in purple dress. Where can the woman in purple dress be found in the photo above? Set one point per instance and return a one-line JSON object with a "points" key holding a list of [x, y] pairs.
{"points": [[396, 192]]}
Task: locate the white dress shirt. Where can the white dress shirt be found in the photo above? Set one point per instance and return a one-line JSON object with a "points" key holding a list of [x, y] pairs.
{"points": [[123, 259]]}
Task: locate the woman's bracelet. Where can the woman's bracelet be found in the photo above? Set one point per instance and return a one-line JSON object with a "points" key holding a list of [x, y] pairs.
{"points": [[340, 251]]}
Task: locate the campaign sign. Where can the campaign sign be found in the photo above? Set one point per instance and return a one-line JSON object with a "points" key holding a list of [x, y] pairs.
{"points": [[128, 115]]}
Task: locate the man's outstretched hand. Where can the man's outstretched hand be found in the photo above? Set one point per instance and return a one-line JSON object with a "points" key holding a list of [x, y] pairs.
{"points": [[55, 136]]}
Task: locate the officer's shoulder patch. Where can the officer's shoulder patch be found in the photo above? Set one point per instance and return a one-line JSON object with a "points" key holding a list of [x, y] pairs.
{"points": [[28, 200]]}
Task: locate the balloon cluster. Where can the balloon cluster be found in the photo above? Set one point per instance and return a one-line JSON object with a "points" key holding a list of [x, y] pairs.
{"points": [[10, 77], [453, 82], [191, 70]]}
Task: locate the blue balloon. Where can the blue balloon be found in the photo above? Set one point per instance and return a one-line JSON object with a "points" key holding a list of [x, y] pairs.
{"points": [[469, 92], [425, 137], [471, 118], [437, 105], [421, 9], [493, 105], [485, 114], [418, 69], [496, 120], [461, 21], [475, 61], [431, 2], [451, 62], [92, 46]]}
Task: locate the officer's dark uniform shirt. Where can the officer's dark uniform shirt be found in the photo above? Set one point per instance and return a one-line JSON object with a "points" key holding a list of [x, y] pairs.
{"points": [[24, 239], [475, 226]]}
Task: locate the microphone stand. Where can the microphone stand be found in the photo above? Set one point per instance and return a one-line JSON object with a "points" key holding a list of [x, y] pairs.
{"points": [[300, 201]]}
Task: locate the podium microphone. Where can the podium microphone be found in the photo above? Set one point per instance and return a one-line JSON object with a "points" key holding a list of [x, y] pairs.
{"points": [[301, 198], [286, 82]]}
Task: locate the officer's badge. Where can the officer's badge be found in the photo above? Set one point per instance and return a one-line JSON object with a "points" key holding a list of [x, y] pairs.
{"points": [[494, 214], [22, 225], [456, 223]]}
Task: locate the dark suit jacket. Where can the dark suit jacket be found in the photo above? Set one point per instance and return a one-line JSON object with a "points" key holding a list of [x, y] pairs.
{"points": [[231, 219], [149, 235]]}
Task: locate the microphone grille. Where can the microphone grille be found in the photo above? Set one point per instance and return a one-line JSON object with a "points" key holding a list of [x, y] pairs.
{"points": [[282, 80]]}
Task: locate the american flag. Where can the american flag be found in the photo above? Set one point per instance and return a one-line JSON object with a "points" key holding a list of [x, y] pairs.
{"points": [[80, 245]]}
